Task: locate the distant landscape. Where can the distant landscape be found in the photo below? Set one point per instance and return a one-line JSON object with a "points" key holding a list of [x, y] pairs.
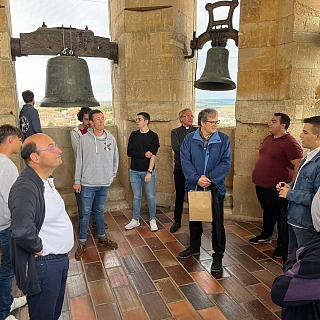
{"points": [[52, 117]]}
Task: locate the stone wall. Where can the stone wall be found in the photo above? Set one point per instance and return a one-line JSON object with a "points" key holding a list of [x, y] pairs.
{"points": [[279, 71]]}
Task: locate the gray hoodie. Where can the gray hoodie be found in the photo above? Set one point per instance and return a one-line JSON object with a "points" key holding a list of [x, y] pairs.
{"points": [[8, 175], [97, 160]]}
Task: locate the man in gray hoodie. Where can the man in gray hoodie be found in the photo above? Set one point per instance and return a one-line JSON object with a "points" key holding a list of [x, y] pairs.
{"points": [[10, 143], [96, 167]]}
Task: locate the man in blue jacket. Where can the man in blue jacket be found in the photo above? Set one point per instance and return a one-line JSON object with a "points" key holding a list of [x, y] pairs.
{"points": [[301, 192], [206, 159]]}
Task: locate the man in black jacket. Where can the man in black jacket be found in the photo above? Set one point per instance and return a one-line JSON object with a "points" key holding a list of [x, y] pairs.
{"points": [[177, 136], [29, 116], [41, 231]]}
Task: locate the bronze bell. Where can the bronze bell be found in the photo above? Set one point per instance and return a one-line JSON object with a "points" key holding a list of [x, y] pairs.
{"points": [[68, 84], [215, 76]]}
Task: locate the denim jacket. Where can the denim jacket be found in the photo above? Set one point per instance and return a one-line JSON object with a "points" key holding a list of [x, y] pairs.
{"points": [[308, 182]]}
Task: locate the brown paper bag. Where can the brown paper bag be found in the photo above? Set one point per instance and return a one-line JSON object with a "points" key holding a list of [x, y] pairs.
{"points": [[200, 205]]}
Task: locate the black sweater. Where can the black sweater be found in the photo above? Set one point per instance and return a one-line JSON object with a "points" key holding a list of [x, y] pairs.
{"points": [[139, 143], [27, 207]]}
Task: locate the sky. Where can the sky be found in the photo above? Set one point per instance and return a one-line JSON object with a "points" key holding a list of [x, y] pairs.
{"points": [[28, 15]]}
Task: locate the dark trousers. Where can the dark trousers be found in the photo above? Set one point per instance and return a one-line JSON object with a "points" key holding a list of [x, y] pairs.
{"points": [[196, 233], [52, 276], [179, 183], [270, 204]]}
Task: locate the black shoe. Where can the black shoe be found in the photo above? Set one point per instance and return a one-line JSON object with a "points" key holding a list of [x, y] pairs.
{"points": [[175, 227], [188, 253], [277, 253], [259, 239], [216, 264]]}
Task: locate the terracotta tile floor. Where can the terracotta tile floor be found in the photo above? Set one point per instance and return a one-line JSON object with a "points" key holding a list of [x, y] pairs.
{"points": [[143, 279]]}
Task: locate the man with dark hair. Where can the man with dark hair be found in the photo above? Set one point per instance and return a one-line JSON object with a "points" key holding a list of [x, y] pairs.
{"points": [[29, 116], [279, 158], [206, 160], [96, 167], [82, 128], [143, 146], [41, 230], [10, 143], [177, 136], [301, 192]]}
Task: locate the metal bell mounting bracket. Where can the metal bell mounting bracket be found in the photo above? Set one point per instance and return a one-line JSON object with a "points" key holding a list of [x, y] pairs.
{"points": [[218, 32]]}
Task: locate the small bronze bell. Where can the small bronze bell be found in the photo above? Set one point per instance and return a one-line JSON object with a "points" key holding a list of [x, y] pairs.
{"points": [[215, 76], [68, 84]]}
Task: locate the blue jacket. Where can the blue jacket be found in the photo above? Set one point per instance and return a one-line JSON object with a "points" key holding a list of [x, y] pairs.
{"points": [[307, 185], [193, 156]]}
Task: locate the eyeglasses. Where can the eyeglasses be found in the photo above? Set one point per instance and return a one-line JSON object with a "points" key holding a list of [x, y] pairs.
{"points": [[139, 119], [52, 148], [188, 116], [213, 122]]}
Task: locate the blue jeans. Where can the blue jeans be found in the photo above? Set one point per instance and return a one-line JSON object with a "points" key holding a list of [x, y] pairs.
{"points": [[6, 275], [299, 237], [137, 180], [52, 273], [93, 200]]}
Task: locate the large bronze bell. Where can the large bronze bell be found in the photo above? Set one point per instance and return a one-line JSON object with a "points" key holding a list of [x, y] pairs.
{"points": [[68, 84], [215, 76]]}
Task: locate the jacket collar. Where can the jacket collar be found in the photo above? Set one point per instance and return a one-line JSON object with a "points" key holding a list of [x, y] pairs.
{"points": [[215, 138]]}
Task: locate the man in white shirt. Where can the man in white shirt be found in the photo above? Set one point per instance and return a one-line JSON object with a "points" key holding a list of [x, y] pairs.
{"points": [[41, 230], [10, 143]]}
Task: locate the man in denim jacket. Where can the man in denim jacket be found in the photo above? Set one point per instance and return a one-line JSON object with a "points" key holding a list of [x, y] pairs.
{"points": [[301, 192]]}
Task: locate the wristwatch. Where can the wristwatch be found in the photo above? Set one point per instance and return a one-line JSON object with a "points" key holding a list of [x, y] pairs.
{"points": [[149, 171]]}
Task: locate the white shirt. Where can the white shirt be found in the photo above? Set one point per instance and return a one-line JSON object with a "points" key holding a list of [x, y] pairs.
{"points": [[315, 210], [57, 231]]}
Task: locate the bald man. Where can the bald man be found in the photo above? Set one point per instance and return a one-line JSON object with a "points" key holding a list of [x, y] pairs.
{"points": [[41, 231]]}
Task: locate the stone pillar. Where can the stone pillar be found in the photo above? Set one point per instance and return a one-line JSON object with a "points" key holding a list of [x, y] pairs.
{"points": [[152, 76], [279, 71], [9, 107]]}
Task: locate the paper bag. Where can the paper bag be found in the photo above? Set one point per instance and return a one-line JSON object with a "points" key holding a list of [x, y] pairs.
{"points": [[200, 205]]}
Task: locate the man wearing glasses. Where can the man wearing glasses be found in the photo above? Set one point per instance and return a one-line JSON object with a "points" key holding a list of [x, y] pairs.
{"points": [[41, 230], [143, 146], [96, 167], [206, 160], [177, 136]]}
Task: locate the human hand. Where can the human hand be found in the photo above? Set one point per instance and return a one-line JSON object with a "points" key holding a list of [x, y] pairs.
{"points": [[77, 188], [204, 182], [148, 154]]}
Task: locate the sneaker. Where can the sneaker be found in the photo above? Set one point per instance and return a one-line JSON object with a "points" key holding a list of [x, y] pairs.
{"points": [[259, 239], [18, 303], [277, 253], [80, 251], [153, 225], [216, 265], [188, 253], [107, 242], [11, 317], [175, 226], [133, 224]]}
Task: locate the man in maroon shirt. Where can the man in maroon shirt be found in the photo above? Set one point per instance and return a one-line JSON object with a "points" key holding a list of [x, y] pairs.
{"points": [[279, 158]]}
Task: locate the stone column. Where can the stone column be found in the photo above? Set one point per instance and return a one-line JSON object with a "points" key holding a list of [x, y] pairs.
{"points": [[9, 107], [152, 76], [279, 71]]}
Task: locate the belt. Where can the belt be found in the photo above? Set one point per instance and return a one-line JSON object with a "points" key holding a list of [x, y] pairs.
{"points": [[52, 256]]}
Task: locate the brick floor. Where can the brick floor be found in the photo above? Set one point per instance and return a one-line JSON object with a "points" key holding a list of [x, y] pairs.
{"points": [[143, 279]]}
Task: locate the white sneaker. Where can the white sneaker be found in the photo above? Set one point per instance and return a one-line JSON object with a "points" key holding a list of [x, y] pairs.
{"points": [[153, 225], [11, 317], [18, 303], [133, 224]]}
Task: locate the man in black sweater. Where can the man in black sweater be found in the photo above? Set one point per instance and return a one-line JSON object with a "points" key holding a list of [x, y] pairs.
{"points": [[143, 146], [177, 136]]}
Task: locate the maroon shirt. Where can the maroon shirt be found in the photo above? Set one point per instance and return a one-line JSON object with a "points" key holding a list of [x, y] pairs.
{"points": [[273, 164], [83, 131]]}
